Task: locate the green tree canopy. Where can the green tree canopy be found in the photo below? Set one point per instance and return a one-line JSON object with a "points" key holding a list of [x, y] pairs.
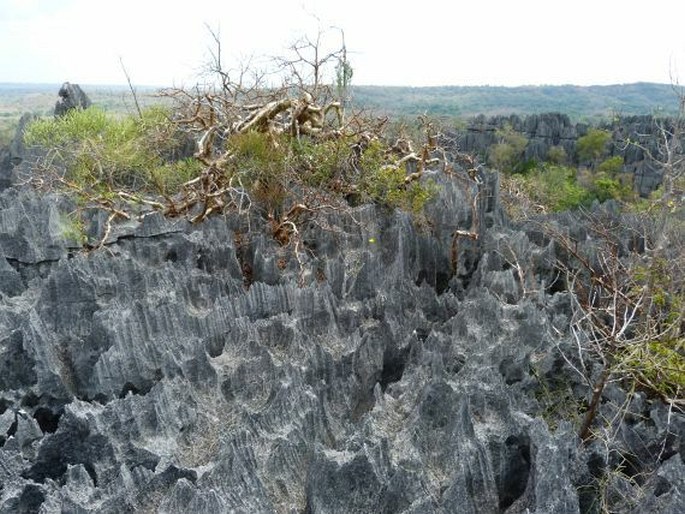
{"points": [[592, 146], [508, 153]]}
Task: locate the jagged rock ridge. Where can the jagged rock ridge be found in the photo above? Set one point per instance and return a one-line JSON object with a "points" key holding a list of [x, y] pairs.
{"points": [[546, 130], [202, 368]]}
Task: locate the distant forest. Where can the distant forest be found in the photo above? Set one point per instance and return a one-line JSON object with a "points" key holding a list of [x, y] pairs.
{"points": [[581, 103]]}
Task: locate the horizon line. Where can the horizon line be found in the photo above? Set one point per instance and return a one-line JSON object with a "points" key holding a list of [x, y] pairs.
{"points": [[149, 86]]}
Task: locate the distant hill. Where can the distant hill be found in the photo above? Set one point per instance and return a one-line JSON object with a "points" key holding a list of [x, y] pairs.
{"points": [[579, 102]]}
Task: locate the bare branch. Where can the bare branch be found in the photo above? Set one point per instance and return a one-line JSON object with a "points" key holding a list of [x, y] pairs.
{"points": [[130, 86]]}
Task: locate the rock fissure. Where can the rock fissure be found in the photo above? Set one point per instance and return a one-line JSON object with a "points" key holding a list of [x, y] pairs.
{"points": [[200, 369]]}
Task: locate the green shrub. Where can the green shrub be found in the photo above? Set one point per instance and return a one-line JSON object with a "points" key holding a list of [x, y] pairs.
{"points": [[592, 146], [72, 228], [657, 362], [386, 186], [559, 188], [169, 177], [556, 155], [606, 188], [97, 156], [97, 151], [276, 168], [502, 156], [607, 182], [262, 164], [525, 167], [507, 155], [320, 162], [372, 160], [556, 188], [659, 365], [611, 166], [384, 182]]}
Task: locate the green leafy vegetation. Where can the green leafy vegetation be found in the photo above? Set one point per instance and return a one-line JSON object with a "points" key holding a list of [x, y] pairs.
{"points": [[507, 155], [603, 187], [551, 188], [589, 103], [592, 146], [446, 102], [554, 185], [98, 152], [385, 182], [658, 362], [557, 155], [658, 365], [628, 305], [73, 228], [284, 154], [555, 188], [322, 162], [611, 166]]}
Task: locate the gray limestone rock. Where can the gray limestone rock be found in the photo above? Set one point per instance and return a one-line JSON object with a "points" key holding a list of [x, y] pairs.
{"points": [[201, 368], [15, 153], [548, 130], [71, 96]]}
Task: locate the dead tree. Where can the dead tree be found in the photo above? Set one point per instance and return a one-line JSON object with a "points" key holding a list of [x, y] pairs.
{"points": [[242, 108], [619, 315]]}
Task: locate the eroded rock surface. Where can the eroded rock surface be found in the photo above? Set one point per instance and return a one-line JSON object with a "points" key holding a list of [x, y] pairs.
{"points": [[547, 130], [71, 96], [203, 369]]}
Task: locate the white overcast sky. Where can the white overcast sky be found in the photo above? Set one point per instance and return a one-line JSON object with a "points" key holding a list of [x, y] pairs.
{"points": [[395, 42]]}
